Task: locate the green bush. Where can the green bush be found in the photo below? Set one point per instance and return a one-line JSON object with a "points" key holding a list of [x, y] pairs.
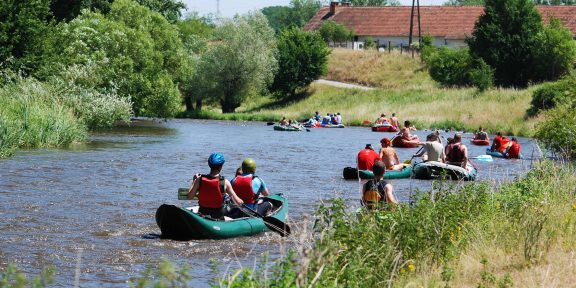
{"points": [[369, 43], [558, 130], [550, 95], [452, 67]]}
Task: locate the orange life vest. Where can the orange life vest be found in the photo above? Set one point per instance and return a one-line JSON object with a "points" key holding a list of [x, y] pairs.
{"points": [[514, 150], [210, 192]]}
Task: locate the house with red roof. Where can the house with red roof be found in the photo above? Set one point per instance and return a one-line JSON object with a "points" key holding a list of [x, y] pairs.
{"points": [[390, 25]]}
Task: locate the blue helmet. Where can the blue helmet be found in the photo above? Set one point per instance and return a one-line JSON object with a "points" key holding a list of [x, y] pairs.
{"points": [[216, 159]]}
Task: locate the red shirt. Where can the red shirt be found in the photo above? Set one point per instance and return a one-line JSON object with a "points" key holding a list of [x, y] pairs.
{"points": [[366, 159]]}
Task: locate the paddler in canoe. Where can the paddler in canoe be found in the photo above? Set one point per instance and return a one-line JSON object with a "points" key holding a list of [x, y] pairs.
{"points": [[433, 150], [366, 158], [381, 120], [513, 149], [500, 143], [456, 152], [394, 121], [481, 134], [250, 188], [377, 192], [389, 156], [211, 189]]}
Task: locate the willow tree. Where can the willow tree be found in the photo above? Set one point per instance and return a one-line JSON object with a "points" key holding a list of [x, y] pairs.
{"points": [[239, 61]]}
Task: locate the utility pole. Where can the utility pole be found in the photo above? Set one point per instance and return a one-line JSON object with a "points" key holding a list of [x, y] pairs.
{"points": [[217, 9], [414, 3]]}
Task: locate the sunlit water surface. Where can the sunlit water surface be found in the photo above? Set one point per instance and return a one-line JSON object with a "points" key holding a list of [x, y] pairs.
{"points": [[90, 205]]}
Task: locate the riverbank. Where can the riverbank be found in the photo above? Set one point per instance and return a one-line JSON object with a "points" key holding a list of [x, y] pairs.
{"points": [[403, 87], [520, 234]]}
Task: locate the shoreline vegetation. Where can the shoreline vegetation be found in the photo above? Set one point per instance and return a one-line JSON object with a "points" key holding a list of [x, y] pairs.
{"points": [[403, 86]]}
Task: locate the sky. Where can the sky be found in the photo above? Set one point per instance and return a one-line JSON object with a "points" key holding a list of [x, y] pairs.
{"points": [[229, 8]]}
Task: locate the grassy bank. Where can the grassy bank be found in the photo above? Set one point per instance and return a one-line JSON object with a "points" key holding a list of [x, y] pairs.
{"points": [[519, 235], [404, 87], [30, 117]]}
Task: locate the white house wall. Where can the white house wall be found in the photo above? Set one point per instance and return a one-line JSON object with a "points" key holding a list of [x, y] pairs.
{"points": [[396, 41]]}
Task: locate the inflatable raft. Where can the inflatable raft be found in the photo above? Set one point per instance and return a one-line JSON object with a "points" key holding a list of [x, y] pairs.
{"points": [[402, 143], [286, 128], [350, 173], [437, 170], [500, 155], [384, 128], [478, 142], [318, 125], [185, 224]]}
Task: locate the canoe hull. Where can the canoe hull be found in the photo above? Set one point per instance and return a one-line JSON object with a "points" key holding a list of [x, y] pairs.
{"points": [[286, 128], [402, 143], [478, 142], [350, 173], [437, 170], [500, 155], [384, 128], [182, 224]]}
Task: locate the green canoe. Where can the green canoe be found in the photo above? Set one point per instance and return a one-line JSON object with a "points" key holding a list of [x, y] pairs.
{"points": [[350, 173], [183, 224], [436, 170], [286, 128]]}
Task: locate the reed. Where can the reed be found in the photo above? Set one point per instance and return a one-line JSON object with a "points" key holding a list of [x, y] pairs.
{"points": [[30, 117]]}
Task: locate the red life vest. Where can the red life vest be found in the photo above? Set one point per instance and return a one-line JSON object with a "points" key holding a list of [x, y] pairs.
{"points": [[243, 188], [210, 192], [503, 144], [455, 153], [514, 150]]}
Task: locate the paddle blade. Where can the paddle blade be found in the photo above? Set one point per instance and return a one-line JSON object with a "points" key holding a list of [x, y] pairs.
{"points": [[270, 123], [277, 226], [485, 158]]}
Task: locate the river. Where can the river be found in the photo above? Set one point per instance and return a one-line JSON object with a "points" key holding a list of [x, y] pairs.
{"points": [[89, 205]]}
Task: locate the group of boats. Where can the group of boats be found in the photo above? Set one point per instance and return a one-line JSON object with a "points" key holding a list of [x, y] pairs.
{"points": [[185, 223]]}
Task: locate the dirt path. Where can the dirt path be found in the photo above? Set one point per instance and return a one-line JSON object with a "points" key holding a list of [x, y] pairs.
{"points": [[342, 85]]}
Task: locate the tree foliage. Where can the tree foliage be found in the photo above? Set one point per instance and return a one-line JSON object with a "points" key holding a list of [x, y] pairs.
{"points": [[511, 38], [297, 14], [69, 9], [135, 51], [23, 25], [457, 68], [335, 32], [302, 58], [240, 61]]}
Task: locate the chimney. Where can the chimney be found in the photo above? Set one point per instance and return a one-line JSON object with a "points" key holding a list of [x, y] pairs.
{"points": [[333, 5]]}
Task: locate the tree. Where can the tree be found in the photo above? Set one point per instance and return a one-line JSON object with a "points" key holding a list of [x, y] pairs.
{"points": [[239, 61], [302, 58], [66, 10], [134, 51], [555, 51], [23, 26], [297, 14], [375, 2], [278, 17], [335, 32], [506, 37]]}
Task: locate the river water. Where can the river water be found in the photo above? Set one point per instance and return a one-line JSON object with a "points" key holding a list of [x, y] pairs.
{"points": [[90, 205]]}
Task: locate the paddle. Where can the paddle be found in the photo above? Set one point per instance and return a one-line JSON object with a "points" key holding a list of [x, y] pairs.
{"points": [[272, 223], [485, 158], [270, 123], [413, 155]]}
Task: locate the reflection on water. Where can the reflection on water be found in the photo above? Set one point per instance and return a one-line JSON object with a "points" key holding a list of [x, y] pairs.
{"points": [[97, 199]]}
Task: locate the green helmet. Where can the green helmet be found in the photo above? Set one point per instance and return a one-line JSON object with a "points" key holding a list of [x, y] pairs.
{"points": [[249, 166]]}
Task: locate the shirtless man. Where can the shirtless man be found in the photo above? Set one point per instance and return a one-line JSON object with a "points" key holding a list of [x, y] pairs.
{"points": [[389, 156], [382, 120], [405, 132], [394, 121]]}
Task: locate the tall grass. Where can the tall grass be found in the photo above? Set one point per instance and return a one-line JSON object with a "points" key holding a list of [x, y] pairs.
{"points": [[31, 117]]}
